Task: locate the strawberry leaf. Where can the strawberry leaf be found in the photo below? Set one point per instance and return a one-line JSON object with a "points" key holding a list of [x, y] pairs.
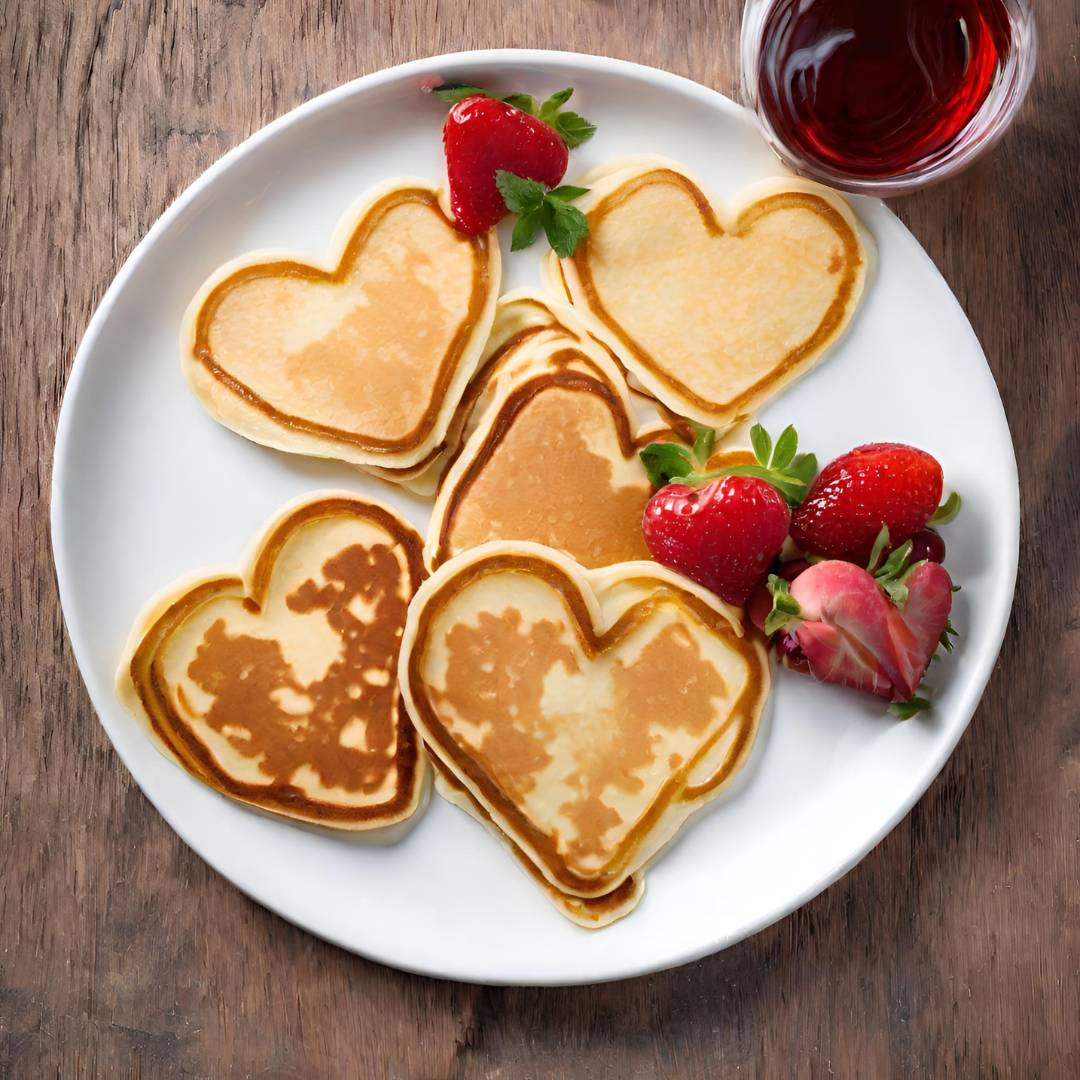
{"points": [[521, 195], [947, 511], [565, 225], [792, 490], [703, 443], [525, 102], [907, 709], [946, 634], [785, 606], [786, 445], [880, 544], [525, 229], [664, 462], [892, 576], [452, 93], [803, 469], [792, 481], [761, 441]]}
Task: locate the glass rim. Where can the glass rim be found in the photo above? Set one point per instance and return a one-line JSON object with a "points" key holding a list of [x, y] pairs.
{"points": [[981, 132]]}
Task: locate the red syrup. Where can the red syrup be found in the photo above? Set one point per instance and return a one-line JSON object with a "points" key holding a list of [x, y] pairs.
{"points": [[874, 88]]}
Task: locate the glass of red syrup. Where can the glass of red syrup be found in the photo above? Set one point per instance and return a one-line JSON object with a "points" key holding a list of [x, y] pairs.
{"points": [[885, 96]]}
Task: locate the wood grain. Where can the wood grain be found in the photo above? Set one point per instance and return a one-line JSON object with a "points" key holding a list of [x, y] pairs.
{"points": [[952, 950]]}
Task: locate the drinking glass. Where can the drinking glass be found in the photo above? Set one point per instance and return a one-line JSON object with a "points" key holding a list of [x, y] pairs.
{"points": [[1006, 94]]}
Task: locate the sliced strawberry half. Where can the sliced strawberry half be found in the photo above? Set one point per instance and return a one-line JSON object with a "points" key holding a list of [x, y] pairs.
{"points": [[928, 606], [851, 632]]}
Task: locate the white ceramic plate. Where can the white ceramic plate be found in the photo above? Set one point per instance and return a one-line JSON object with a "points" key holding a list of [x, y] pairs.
{"points": [[147, 487]]}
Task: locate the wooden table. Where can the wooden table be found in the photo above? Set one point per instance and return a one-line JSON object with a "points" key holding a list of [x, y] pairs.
{"points": [[952, 950]]}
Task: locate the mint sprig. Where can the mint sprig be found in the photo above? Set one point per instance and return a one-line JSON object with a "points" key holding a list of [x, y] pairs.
{"points": [[781, 465], [572, 128], [539, 208]]}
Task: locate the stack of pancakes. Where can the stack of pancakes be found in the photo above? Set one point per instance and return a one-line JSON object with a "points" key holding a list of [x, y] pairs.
{"points": [[578, 699]]}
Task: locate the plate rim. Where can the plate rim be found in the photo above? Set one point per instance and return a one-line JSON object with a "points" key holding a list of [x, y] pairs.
{"points": [[974, 686]]}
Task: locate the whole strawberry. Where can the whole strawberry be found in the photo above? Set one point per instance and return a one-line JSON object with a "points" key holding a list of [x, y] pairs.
{"points": [[723, 536], [485, 135], [881, 484]]}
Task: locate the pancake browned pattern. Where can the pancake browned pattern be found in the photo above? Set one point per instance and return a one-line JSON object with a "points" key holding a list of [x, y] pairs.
{"points": [[550, 450], [586, 713], [363, 359], [278, 685], [522, 319], [713, 307]]}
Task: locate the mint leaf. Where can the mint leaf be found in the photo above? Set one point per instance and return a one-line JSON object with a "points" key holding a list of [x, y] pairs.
{"points": [[525, 102], [452, 93], [703, 443], [947, 511], [573, 129], [664, 462], [525, 229], [553, 104], [761, 441], [521, 196], [907, 709], [785, 606], [565, 225], [568, 192], [786, 446]]}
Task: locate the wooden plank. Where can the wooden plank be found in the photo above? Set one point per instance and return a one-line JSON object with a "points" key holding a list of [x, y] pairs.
{"points": [[952, 950]]}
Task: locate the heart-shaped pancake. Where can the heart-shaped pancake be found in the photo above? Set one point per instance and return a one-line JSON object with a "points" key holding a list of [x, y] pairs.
{"points": [[278, 685], [363, 359], [588, 712], [550, 455], [523, 318], [713, 308], [591, 912]]}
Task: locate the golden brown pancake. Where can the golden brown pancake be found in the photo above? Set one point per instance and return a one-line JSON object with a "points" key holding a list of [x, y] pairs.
{"points": [[550, 455], [588, 712], [713, 307], [593, 913], [523, 319], [363, 359], [277, 685]]}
